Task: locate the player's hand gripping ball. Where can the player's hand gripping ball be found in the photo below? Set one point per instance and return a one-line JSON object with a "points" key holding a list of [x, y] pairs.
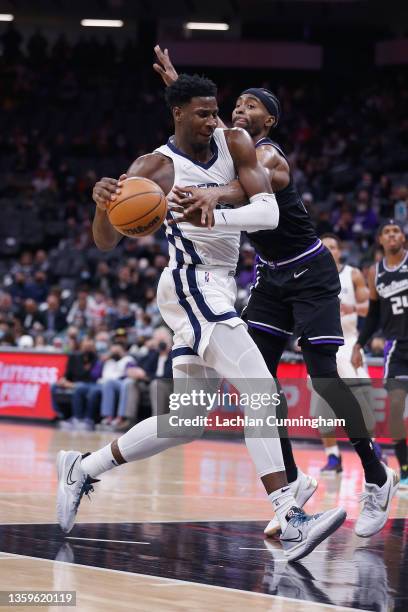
{"points": [[139, 209]]}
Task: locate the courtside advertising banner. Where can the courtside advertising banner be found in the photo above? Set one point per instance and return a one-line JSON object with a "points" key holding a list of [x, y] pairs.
{"points": [[25, 379], [219, 406]]}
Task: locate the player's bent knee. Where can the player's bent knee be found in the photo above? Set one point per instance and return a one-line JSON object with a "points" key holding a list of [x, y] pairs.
{"points": [[320, 359]]}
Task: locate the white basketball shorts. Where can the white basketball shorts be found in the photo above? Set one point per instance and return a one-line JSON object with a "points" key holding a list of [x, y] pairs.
{"points": [[192, 301]]}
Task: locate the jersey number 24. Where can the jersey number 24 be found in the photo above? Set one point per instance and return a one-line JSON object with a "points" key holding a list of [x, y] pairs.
{"points": [[398, 304]]}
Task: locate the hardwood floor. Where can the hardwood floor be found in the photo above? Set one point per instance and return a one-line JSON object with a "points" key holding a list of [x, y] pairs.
{"points": [[183, 531]]}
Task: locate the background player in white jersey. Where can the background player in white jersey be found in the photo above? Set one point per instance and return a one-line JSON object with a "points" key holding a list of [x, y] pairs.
{"points": [[196, 296], [388, 285], [353, 303]]}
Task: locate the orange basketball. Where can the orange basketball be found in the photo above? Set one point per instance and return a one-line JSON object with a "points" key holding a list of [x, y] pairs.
{"points": [[140, 209]]}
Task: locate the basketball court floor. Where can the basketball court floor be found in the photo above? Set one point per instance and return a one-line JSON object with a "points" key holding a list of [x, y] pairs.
{"points": [[184, 531]]}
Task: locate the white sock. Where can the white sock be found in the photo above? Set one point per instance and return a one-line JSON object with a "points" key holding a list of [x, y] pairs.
{"points": [[139, 442], [282, 501], [332, 450], [98, 462]]}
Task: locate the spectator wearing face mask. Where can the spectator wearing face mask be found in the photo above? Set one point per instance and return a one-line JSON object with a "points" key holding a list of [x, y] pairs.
{"points": [[159, 362], [102, 344], [79, 384], [112, 383], [152, 375]]}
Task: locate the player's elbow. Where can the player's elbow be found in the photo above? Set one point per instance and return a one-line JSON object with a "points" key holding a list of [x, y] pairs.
{"points": [[267, 209]]}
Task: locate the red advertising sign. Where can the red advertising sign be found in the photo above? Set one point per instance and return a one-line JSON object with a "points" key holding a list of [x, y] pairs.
{"points": [[25, 379], [297, 388], [298, 395]]}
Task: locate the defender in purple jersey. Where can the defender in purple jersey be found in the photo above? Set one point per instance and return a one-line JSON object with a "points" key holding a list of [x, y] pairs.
{"points": [[296, 291]]}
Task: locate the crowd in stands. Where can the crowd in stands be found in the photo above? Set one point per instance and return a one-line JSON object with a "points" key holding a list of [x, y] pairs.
{"points": [[71, 113]]}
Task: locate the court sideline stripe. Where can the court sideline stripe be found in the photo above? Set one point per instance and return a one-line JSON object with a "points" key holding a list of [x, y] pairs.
{"points": [[171, 582], [99, 540]]}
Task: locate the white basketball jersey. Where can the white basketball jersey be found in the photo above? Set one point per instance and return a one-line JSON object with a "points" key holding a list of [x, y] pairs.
{"points": [[195, 245], [348, 296]]}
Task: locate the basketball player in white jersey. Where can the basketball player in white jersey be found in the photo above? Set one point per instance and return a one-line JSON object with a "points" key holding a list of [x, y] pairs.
{"points": [[353, 303], [196, 295]]}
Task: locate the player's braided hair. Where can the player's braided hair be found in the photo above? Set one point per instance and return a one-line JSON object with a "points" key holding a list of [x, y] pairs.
{"points": [[189, 86]]}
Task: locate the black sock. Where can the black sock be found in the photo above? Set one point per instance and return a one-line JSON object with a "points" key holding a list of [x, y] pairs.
{"points": [[289, 460], [374, 471], [400, 447]]}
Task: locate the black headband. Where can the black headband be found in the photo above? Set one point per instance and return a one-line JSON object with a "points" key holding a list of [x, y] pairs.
{"points": [[390, 222], [268, 99]]}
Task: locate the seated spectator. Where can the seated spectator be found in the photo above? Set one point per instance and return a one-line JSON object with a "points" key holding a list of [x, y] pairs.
{"points": [[79, 312], [158, 365], [153, 375], [97, 309], [24, 264], [41, 263], [127, 284], [53, 318], [151, 308], [71, 340], [102, 344], [365, 218], [120, 336], [25, 342], [144, 327], [37, 289], [82, 372], [18, 289], [7, 308], [123, 315], [104, 278], [29, 314], [40, 343], [113, 374], [6, 338]]}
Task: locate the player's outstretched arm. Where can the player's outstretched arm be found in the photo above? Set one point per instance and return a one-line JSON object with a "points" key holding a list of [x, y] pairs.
{"points": [[154, 167], [168, 73], [164, 66]]}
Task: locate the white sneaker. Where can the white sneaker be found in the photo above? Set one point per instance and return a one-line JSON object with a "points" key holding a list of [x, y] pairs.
{"points": [[376, 505], [73, 483], [302, 489], [304, 531]]}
